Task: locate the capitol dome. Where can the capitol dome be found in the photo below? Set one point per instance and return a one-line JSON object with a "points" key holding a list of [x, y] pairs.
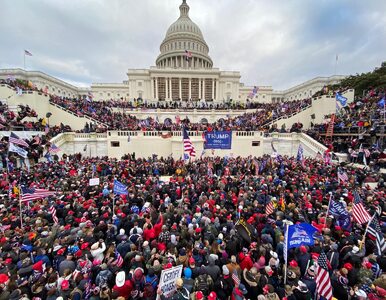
{"points": [[184, 45]]}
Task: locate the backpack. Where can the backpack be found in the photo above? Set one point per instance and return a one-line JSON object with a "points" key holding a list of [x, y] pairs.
{"points": [[201, 284], [148, 290]]}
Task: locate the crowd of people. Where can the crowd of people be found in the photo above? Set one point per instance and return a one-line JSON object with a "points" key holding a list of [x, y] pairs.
{"points": [[87, 242]]}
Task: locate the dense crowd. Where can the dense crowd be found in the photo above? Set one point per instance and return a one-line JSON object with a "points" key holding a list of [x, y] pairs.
{"points": [[104, 246]]}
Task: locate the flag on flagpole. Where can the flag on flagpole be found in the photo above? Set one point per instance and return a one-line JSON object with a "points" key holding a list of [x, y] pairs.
{"points": [[323, 282], [340, 213], [13, 138], [53, 213], [235, 278], [18, 150], [54, 149], [269, 208], [26, 52], [47, 129], [188, 55], [342, 176], [119, 188], [342, 100], [28, 194], [300, 157], [375, 230], [359, 212], [118, 259], [188, 146]]}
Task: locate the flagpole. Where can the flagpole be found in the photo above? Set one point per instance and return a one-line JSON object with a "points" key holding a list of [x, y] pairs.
{"points": [[364, 235], [328, 209], [24, 60], [21, 214], [286, 253]]}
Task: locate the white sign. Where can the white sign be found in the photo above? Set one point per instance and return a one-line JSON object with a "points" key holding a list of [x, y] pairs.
{"points": [[93, 181], [168, 279]]}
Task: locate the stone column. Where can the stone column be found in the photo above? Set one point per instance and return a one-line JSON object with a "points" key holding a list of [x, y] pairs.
{"points": [[170, 89], [182, 62], [217, 91], [203, 88], [179, 88], [156, 88], [213, 88], [199, 88], [166, 88], [190, 88], [151, 88]]}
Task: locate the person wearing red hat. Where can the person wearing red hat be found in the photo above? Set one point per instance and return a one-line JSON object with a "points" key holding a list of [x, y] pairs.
{"points": [[303, 259]]}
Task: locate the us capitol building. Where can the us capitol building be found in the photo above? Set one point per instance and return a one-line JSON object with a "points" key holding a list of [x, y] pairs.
{"points": [[184, 71]]}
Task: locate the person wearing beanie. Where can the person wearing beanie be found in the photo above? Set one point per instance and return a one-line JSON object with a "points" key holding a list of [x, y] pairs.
{"points": [[212, 269], [224, 284], [303, 257], [188, 280]]}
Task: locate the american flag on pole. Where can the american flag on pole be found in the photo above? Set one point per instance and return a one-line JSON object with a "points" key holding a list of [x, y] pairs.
{"points": [[188, 146], [53, 213], [269, 208], [54, 149], [118, 259], [300, 157], [323, 282], [375, 230], [28, 194], [26, 52], [359, 212], [235, 278], [188, 55], [14, 139], [342, 175]]}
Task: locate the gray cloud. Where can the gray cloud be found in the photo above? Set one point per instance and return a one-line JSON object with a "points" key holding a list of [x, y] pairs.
{"points": [[278, 43]]}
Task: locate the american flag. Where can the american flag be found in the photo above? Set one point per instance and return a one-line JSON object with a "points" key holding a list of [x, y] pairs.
{"points": [[13, 138], [359, 212], [366, 152], [188, 146], [235, 278], [375, 230], [28, 194], [118, 259], [323, 282], [269, 208], [53, 213], [47, 129], [342, 176], [54, 149], [188, 54], [26, 52], [300, 157]]}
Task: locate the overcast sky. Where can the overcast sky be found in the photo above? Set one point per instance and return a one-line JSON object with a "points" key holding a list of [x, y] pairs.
{"points": [[278, 43]]}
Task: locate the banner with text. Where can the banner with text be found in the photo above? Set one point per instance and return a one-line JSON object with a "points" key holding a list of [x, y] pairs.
{"points": [[218, 140], [168, 279]]}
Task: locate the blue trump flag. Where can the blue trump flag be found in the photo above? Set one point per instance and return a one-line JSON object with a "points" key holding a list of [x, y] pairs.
{"points": [[339, 212], [120, 188], [342, 100], [300, 235], [381, 103]]}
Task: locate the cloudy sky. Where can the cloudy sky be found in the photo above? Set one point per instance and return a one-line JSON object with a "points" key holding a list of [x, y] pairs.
{"points": [[278, 43]]}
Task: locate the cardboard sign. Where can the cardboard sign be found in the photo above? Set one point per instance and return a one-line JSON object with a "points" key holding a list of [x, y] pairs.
{"points": [[168, 279], [93, 181]]}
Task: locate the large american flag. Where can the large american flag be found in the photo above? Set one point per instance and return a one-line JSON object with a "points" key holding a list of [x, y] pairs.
{"points": [[54, 149], [188, 146], [13, 138], [53, 213], [359, 212], [28, 194], [269, 208], [375, 230], [236, 278], [323, 282]]}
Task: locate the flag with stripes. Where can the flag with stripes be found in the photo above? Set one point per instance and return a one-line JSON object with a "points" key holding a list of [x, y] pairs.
{"points": [[28, 194], [359, 212], [342, 175], [47, 129], [26, 52], [54, 149], [300, 157], [188, 146], [236, 278], [323, 282], [13, 138], [118, 259], [375, 230], [366, 152], [53, 214], [269, 208]]}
